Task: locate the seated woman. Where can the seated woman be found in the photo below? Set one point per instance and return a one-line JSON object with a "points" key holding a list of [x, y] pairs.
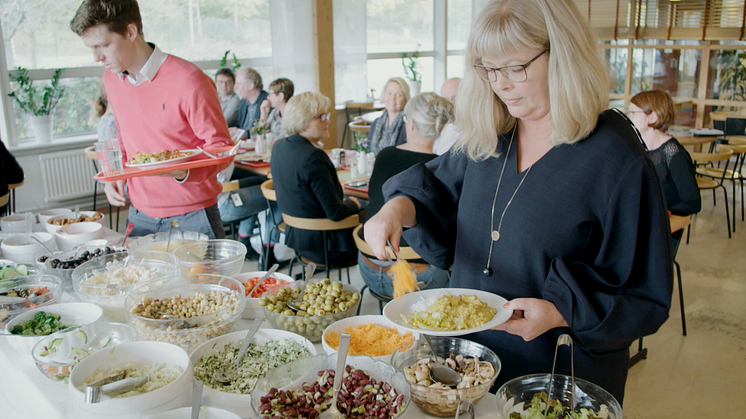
{"points": [[388, 129], [653, 112], [424, 118], [279, 92], [306, 183]]}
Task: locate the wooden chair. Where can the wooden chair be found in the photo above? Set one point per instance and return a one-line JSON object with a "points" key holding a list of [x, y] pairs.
{"points": [[12, 200], [228, 187], [93, 157], [711, 182], [4, 201], [351, 108], [734, 175], [268, 191], [731, 127], [324, 225]]}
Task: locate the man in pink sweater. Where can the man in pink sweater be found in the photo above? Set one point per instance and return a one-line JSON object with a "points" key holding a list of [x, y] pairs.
{"points": [[162, 102]]}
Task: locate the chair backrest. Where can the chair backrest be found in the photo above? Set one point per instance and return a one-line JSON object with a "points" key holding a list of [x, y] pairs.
{"points": [[724, 154], [735, 126], [231, 186], [4, 199], [405, 252], [268, 190], [361, 105], [90, 153], [320, 224]]}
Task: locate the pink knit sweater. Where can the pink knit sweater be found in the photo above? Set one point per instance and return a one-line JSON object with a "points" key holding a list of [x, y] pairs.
{"points": [[178, 109]]}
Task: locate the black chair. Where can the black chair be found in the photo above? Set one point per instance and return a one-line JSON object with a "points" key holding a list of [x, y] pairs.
{"points": [[353, 109], [91, 154]]}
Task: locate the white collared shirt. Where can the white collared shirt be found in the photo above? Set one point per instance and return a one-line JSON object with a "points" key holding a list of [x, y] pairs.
{"points": [[149, 70]]}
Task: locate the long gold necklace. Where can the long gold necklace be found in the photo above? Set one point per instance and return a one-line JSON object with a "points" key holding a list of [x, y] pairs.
{"points": [[495, 233]]}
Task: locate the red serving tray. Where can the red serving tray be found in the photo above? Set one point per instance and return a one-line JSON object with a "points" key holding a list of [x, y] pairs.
{"points": [[363, 189], [201, 160]]}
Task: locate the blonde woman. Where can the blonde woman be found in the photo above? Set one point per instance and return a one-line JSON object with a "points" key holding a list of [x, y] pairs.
{"points": [[388, 129], [549, 199], [107, 125], [424, 115], [306, 182]]}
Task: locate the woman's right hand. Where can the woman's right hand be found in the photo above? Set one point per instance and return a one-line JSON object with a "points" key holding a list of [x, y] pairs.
{"points": [[264, 110], [388, 224], [115, 193]]}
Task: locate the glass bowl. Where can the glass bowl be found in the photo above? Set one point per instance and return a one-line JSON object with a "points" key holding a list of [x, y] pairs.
{"points": [[306, 370], [64, 270], [211, 257], [119, 277], [158, 241], [312, 328], [188, 332], [13, 307], [516, 394], [444, 402], [57, 354]]}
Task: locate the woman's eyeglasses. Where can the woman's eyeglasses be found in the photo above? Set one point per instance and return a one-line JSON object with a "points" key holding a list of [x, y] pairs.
{"points": [[512, 73], [323, 116]]}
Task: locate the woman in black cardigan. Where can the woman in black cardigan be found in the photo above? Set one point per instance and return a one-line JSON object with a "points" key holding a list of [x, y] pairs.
{"points": [[306, 183]]}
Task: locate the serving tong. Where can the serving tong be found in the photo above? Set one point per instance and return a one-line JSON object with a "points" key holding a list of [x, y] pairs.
{"points": [[112, 386], [564, 339]]}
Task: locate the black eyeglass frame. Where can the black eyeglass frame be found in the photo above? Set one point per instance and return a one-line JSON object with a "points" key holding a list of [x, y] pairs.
{"points": [[495, 70]]}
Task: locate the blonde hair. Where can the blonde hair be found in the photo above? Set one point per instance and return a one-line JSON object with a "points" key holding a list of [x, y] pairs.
{"points": [[577, 79], [401, 82], [301, 108], [659, 102], [101, 104], [430, 113]]}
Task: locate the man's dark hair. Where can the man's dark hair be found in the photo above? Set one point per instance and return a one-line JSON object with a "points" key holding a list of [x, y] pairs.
{"points": [[115, 14], [226, 72]]}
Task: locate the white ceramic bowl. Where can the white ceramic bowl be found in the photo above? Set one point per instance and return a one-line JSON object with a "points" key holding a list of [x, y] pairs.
{"points": [[76, 234], [52, 228], [343, 324], [186, 413], [50, 213], [173, 395], [253, 310], [15, 223], [78, 314], [96, 243], [239, 403], [21, 248]]}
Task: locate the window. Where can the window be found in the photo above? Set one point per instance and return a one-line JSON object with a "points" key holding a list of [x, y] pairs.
{"points": [[399, 25]]}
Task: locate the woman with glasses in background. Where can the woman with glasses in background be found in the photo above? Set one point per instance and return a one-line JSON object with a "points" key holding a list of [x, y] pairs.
{"points": [[306, 182], [547, 199], [280, 91], [388, 129]]}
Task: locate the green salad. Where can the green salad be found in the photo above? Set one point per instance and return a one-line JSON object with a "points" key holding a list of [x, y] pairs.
{"points": [[535, 410], [41, 325]]}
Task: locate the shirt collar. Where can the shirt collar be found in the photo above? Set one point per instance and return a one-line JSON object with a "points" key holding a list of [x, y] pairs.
{"points": [[149, 69]]}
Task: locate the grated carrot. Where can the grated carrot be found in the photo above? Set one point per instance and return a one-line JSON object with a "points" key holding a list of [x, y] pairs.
{"points": [[371, 339], [404, 278]]}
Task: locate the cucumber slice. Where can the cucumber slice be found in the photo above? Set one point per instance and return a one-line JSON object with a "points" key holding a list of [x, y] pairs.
{"points": [[56, 342], [105, 341], [22, 269], [78, 353], [44, 352], [10, 273], [82, 336]]}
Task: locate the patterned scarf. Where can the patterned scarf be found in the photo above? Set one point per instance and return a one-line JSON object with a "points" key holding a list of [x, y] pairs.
{"points": [[385, 135]]}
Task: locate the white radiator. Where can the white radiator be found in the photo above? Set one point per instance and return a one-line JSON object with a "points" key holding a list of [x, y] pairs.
{"points": [[66, 175]]}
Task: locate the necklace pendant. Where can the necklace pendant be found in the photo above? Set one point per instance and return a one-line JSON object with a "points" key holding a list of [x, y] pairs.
{"points": [[495, 235], [487, 272]]}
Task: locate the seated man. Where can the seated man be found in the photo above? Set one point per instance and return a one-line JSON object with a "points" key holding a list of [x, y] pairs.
{"points": [[448, 136], [229, 101], [250, 88]]}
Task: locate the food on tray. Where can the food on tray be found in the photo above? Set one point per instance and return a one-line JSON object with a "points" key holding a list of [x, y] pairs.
{"points": [[450, 312], [361, 396], [255, 363], [266, 285], [82, 219], [117, 273], [160, 376], [79, 259], [318, 299], [372, 340], [41, 325], [9, 271], [536, 409], [163, 155], [19, 298], [199, 304], [403, 277], [473, 372]]}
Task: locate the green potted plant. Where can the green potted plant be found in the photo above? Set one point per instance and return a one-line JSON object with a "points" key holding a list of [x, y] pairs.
{"points": [[37, 103], [234, 66], [412, 71], [732, 76]]}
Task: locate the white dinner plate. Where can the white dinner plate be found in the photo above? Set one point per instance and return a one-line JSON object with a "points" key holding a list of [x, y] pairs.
{"points": [[394, 310], [193, 152]]}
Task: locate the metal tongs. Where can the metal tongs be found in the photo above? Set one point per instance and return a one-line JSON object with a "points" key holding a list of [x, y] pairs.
{"points": [[112, 385], [564, 339]]}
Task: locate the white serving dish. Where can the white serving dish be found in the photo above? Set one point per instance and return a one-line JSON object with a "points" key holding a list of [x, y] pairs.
{"points": [[253, 310], [239, 403], [16, 223], [186, 413], [399, 307], [343, 324], [78, 314], [371, 116], [76, 234], [51, 213], [176, 394], [21, 248], [52, 228]]}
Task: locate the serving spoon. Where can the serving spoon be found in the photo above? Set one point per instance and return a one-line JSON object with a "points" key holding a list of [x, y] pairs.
{"points": [[440, 373], [264, 278], [333, 412], [293, 304], [226, 377]]}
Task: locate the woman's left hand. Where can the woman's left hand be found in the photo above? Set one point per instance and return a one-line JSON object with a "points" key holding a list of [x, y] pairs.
{"points": [[531, 318]]}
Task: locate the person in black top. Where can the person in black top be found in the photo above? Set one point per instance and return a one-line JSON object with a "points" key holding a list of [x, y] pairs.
{"points": [[10, 173], [547, 199], [388, 129], [424, 116], [306, 183]]}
